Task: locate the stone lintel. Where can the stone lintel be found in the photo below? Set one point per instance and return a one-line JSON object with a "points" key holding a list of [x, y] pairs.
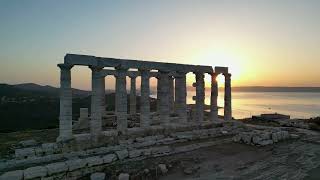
{"points": [[74, 59]]}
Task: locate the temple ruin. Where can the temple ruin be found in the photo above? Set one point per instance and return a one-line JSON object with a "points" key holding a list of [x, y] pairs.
{"points": [[171, 93]]}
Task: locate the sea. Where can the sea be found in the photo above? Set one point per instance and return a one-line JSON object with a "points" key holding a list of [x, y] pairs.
{"points": [[247, 104]]}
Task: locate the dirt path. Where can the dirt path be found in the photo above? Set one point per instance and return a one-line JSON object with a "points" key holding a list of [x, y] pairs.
{"points": [[294, 159]]}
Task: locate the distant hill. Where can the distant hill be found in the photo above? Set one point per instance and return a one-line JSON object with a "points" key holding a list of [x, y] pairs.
{"points": [[48, 89], [32, 106]]}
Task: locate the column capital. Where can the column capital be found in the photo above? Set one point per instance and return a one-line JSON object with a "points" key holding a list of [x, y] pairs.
{"points": [[180, 74], [227, 75], [96, 68], [65, 66], [143, 69], [133, 76]]}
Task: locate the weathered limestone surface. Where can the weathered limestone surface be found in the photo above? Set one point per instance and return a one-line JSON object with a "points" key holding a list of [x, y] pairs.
{"points": [[35, 172], [180, 95], [164, 97], [98, 176], [227, 98], [199, 111], [57, 168], [133, 95], [145, 101], [12, 175], [65, 117], [121, 100], [214, 98], [171, 94], [96, 98]]}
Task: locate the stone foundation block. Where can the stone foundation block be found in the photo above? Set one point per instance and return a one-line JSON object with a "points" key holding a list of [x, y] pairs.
{"points": [[12, 175], [109, 158], [94, 161], [122, 154], [35, 172], [76, 164], [58, 167]]}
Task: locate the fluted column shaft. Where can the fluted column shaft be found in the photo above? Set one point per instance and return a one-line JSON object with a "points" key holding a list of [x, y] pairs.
{"points": [[180, 96], [227, 98], [158, 93], [214, 98], [133, 96], [145, 100], [164, 98], [121, 100], [200, 95], [171, 94], [65, 117], [103, 96], [96, 100]]}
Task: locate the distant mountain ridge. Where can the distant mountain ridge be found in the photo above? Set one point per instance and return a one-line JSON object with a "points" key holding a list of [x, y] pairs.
{"points": [[55, 90]]}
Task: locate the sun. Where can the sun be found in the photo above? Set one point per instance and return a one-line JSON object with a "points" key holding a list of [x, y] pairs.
{"points": [[222, 58]]}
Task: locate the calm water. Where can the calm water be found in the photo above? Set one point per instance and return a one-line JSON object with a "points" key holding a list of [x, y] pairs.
{"points": [[246, 104]]}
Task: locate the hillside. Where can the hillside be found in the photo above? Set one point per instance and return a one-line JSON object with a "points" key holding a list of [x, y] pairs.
{"points": [[31, 106]]}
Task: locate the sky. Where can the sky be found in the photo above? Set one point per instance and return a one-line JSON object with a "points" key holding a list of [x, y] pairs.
{"points": [[264, 43]]}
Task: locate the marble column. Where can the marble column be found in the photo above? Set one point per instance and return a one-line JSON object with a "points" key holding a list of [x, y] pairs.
{"points": [[164, 98], [103, 96], [96, 100], [121, 100], [227, 98], [171, 94], [214, 98], [181, 96], [65, 117], [145, 100], [158, 93], [133, 95], [199, 98]]}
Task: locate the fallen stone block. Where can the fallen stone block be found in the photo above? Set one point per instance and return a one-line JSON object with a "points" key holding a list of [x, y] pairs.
{"points": [[163, 168], [24, 153], [28, 143], [12, 175], [98, 176], [265, 142], [35, 172], [109, 158], [135, 153], [160, 150], [124, 176], [122, 154], [76, 164], [94, 161], [58, 167]]}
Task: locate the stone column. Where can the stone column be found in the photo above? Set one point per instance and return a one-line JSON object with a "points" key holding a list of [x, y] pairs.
{"points": [[96, 100], [121, 100], [171, 94], [133, 95], [214, 98], [158, 93], [199, 98], [164, 98], [65, 117], [145, 100], [227, 98], [103, 96], [180, 96]]}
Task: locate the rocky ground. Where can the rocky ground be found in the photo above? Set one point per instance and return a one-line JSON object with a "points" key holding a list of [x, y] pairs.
{"points": [[297, 157], [292, 159]]}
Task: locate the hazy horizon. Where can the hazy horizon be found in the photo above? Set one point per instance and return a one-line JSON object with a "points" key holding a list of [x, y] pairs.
{"points": [[265, 43]]}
